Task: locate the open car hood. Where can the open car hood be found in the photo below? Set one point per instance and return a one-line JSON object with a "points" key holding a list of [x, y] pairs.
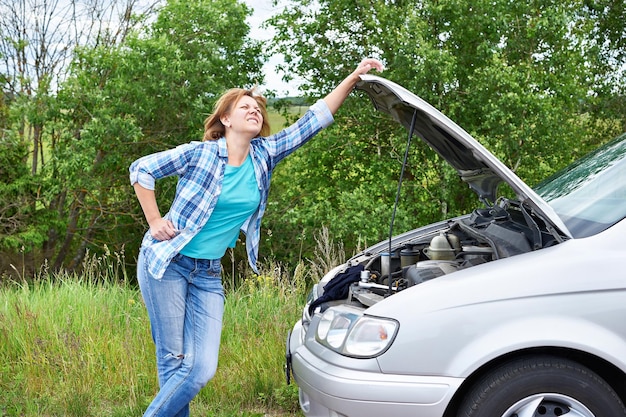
{"points": [[476, 166]]}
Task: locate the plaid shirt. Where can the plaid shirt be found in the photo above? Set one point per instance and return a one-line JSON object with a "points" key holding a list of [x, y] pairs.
{"points": [[200, 168]]}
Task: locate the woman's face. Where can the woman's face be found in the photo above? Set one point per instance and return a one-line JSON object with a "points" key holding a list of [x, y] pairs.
{"points": [[245, 117]]}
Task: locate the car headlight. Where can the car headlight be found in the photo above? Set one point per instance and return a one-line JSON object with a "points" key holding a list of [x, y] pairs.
{"points": [[355, 335]]}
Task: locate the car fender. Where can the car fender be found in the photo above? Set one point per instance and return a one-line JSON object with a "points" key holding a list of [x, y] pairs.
{"points": [[556, 331], [455, 324]]}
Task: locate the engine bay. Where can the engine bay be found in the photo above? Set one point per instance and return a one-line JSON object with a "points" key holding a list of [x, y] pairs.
{"points": [[484, 236]]}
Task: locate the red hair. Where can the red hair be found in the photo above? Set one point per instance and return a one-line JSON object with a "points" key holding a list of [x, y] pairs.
{"points": [[213, 127]]}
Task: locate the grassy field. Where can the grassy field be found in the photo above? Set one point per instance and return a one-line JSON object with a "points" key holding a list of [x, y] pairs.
{"points": [[277, 121], [80, 346]]}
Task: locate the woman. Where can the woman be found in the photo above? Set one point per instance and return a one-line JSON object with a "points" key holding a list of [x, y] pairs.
{"points": [[222, 188]]}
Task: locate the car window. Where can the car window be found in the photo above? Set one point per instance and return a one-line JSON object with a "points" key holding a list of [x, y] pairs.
{"points": [[590, 194]]}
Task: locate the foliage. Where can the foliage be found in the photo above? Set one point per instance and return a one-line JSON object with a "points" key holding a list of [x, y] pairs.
{"points": [[16, 188], [539, 83], [521, 77], [150, 92], [608, 18]]}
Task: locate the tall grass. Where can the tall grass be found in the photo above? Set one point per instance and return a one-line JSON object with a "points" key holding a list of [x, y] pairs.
{"points": [[73, 347], [80, 345]]}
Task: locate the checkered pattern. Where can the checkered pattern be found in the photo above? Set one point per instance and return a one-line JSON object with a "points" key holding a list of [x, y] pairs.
{"points": [[200, 170]]}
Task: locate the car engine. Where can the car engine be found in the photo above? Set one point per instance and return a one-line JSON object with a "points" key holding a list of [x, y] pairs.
{"points": [[484, 236]]}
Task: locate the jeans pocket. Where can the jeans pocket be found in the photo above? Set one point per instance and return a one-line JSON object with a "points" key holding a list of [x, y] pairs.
{"points": [[214, 269]]}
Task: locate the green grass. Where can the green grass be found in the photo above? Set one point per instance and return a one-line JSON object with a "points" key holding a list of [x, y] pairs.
{"points": [[277, 121], [80, 346]]}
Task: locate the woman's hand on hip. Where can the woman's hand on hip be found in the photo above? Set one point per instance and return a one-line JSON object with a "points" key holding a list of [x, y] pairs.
{"points": [[162, 229]]}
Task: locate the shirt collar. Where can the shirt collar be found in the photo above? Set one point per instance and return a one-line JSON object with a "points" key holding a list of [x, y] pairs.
{"points": [[222, 148], [222, 151]]}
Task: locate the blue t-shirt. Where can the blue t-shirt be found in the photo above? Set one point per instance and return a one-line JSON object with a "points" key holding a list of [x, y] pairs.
{"points": [[199, 167], [239, 198]]}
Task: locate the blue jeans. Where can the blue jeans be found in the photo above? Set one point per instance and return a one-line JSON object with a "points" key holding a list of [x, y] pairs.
{"points": [[185, 308]]}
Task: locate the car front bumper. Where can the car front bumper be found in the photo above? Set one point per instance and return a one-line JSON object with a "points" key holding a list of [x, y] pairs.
{"points": [[329, 390]]}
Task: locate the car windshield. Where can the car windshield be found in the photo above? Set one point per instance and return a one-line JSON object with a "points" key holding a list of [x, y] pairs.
{"points": [[590, 194]]}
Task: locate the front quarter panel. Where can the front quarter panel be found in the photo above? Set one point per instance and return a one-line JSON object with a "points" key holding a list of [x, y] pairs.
{"points": [[550, 298], [456, 342]]}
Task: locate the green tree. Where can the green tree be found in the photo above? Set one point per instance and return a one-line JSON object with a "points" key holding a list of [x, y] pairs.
{"points": [[36, 44], [521, 77], [149, 93], [603, 22]]}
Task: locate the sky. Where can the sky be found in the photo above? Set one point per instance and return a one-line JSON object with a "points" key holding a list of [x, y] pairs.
{"points": [[263, 9]]}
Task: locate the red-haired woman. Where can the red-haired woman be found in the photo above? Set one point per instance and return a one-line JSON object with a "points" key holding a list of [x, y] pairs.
{"points": [[223, 184]]}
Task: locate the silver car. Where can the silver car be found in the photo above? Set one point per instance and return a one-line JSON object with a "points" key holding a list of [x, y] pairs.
{"points": [[516, 309]]}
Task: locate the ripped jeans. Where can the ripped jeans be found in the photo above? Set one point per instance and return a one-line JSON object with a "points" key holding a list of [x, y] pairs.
{"points": [[185, 308]]}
